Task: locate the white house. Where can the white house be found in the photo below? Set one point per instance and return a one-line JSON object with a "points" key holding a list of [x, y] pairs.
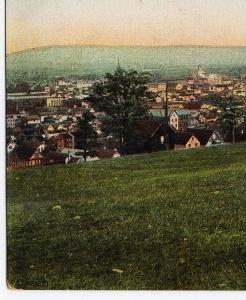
{"points": [[10, 146], [206, 137], [10, 120], [41, 147], [180, 119]]}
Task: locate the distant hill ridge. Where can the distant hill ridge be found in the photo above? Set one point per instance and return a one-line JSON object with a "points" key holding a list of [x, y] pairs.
{"points": [[122, 46], [167, 61]]}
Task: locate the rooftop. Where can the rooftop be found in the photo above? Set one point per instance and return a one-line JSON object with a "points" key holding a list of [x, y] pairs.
{"points": [[181, 138], [182, 112]]}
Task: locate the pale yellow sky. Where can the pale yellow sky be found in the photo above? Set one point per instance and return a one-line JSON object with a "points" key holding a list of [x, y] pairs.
{"points": [[37, 23]]}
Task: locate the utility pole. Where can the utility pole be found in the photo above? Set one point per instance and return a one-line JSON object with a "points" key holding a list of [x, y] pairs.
{"points": [[240, 77], [166, 117], [166, 125], [193, 87]]}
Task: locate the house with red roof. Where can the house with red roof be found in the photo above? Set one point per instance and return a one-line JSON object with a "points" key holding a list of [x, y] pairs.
{"points": [[25, 155]]}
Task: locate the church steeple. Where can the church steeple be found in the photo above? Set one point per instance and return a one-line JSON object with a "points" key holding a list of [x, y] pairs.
{"points": [[118, 67]]}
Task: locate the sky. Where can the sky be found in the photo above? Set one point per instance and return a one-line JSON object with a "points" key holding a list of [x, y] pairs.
{"points": [[39, 23]]}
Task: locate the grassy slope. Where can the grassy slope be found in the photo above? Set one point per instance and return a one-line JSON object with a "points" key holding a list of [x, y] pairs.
{"points": [[168, 220]]}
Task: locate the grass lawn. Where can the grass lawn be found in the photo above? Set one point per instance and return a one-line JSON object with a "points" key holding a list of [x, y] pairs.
{"points": [[168, 221]]}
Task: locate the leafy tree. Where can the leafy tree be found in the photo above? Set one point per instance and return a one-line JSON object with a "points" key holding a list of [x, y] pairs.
{"points": [[51, 146], [86, 135], [23, 87], [38, 88], [11, 88], [232, 114], [124, 96]]}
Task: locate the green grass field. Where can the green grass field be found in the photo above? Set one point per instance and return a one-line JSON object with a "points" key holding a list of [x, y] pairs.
{"points": [[166, 221]]}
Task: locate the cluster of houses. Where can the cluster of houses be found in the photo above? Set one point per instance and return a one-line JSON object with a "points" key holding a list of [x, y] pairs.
{"points": [[42, 126], [189, 135], [151, 134], [198, 87], [47, 138]]}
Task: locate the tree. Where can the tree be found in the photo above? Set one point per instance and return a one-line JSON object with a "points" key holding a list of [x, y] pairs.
{"points": [[23, 87], [232, 114], [37, 88], [86, 135], [11, 88], [125, 97]]}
